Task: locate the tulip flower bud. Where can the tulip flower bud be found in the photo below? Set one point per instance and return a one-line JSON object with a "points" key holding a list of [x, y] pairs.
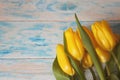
{"points": [[104, 35], [86, 61], [74, 44], [103, 55], [63, 60]]}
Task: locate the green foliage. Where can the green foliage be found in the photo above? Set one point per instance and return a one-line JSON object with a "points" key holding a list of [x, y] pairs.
{"points": [[80, 75], [58, 73], [111, 69], [89, 47]]}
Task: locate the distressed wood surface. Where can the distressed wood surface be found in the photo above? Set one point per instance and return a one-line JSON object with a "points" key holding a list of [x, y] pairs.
{"points": [[59, 10], [26, 69], [30, 30], [35, 39]]}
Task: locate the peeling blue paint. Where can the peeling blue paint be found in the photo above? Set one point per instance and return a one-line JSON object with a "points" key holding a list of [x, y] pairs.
{"points": [[37, 39], [2, 52], [5, 24], [50, 7], [1, 32], [71, 6], [41, 4], [62, 7], [38, 27], [22, 15]]}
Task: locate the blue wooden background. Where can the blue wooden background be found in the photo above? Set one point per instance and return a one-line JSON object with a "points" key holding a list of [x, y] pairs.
{"points": [[30, 30]]}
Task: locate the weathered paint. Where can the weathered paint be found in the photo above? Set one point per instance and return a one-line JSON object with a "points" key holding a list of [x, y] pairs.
{"points": [[30, 30], [34, 39], [59, 10]]}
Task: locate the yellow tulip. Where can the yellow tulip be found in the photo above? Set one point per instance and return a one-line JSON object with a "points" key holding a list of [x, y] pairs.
{"points": [[86, 61], [103, 55], [63, 60], [104, 35], [74, 44]]}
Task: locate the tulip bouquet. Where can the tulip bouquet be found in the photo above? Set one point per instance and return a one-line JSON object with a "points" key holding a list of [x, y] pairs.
{"points": [[96, 50]]}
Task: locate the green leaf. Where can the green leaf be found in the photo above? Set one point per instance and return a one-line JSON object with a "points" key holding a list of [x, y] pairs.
{"points": [[118, 52], [80, 74], [89, 47], [76, 77], [112, 66], [113, 77], [118, 56], [113, 69], [77, 69], [58, 73]]}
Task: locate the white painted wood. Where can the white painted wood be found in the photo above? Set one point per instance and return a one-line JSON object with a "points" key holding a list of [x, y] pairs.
{"points": [[59, 10], [26, 69], [35, 39], [30, 30]]}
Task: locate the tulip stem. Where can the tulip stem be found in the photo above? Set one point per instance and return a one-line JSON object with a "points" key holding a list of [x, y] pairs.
{"points": [[108, 71], [93, 74], [115, 59], [77, 68], [72, 78]]}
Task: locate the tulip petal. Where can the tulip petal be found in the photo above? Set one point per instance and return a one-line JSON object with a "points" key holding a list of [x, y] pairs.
{"points": [[79, 44], [77, 68], [103, 55], [108, 34], [100, 36], [58, 73], [104, 35], [72, 47], [63, 60], [86, 61]]}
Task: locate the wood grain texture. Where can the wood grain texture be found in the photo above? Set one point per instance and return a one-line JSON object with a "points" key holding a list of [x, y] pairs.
{"points": [[30, 30], [27, 49], [29, 69], [26, 69], [35, 39], [59, 10]]}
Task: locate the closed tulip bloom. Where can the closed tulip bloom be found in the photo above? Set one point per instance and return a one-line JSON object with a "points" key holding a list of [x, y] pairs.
{"points": [[74, 44], [79, 44], [86, 61], [103, 55], [63, 60], [104, 35]]}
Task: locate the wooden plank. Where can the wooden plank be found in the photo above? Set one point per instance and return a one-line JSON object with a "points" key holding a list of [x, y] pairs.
{"points": [[58, 10], [29, 39], [35, 39], [26, 69], [17, 76], [26, 65]]}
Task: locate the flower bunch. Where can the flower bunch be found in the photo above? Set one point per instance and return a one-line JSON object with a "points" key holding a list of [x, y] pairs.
{"points": [[98, 48]]}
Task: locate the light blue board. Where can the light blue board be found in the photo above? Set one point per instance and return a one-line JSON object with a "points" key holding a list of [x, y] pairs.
{"points": [[30, 30], [35, 39], [26, 69], [59, 10]]}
